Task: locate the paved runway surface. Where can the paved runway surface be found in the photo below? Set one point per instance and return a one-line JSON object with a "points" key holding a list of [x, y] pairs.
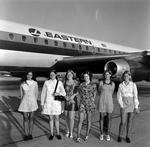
{"points": [[11, 130]]}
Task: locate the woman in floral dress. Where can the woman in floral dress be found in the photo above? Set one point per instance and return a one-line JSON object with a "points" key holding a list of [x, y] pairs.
{"points": [[87, 92]]}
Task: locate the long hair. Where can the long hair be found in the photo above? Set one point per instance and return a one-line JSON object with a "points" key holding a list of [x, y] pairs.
{"points": [[54, 71], [24, 78], [104, 73], [128, 73]]}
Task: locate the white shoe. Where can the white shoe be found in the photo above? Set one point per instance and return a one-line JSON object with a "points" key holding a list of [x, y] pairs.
{"points": [[108, 137], [71, 136], [67, 135], [101, 137]]}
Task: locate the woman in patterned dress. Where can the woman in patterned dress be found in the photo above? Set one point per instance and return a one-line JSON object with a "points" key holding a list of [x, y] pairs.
{"points": [[87, 92], [127, 97], [28, 105], [71, 105], [105, 105], [49, 105]]}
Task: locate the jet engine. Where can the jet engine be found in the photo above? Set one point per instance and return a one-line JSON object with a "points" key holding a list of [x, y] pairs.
{"points": [[139, 71]]}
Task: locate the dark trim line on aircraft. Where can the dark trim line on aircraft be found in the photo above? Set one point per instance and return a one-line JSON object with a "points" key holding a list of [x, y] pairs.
{"points": [[34, 44]]}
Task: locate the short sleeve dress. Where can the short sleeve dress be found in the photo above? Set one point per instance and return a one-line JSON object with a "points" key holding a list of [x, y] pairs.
{"points": [[51, 106], [70, 90], [29, 97], [87, 97], [105, 103]]}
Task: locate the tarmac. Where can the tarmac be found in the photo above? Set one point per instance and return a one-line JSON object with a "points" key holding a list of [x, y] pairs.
{"points": [[11, 122]]}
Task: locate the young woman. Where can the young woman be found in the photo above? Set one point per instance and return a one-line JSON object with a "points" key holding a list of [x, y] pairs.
{"points": [[49, 105], [128, 100], [28, 105], [105, 105], [87, 91], [71, 106]]}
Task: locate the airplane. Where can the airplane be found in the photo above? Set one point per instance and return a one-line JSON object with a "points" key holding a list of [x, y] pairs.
{"points": [[25, 47]]}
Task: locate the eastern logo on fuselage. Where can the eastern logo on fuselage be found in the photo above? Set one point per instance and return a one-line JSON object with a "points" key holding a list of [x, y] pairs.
{"points": [[34, 32]]}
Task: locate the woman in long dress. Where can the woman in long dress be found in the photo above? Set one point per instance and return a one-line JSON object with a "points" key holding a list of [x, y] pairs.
{"points": [[105, 105], [50, 106], [28, 105]]}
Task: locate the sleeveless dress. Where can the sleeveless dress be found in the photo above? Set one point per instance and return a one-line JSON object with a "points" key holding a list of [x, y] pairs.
{"points": [[105, 103], [70, 90], [29, 99]]}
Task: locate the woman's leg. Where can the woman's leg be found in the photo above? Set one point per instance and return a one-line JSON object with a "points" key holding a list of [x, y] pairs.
{"points": [[31, 115], [67, 122], [108, 123], [57, 124], [71, 121], [122, 123], [89, 121], [25, 123], [101, 122], [81, 118], [51, 124], [129, 123]]}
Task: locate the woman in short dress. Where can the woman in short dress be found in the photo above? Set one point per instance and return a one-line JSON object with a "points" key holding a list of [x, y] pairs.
{"points": [[127, 97], [105, 105], [87, 91], [28, 105], [49, 105], [71, 105]]}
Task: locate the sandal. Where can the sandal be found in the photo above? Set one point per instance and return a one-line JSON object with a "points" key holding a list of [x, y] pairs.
{"points": [[86, 137], [78, 139], [71, 136], [67, 135]]}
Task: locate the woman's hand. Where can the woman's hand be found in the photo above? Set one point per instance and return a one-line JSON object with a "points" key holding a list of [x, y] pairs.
{"points": [[122, 110], [137, 110]]}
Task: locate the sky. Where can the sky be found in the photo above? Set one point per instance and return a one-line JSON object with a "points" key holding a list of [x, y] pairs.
{"points": [[124, 22]]}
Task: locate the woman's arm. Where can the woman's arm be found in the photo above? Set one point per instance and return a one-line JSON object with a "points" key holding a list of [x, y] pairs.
{"points": [[119, 96], [135, 96], [43, 94], [21, 91], [99, 87], [36, 90]]}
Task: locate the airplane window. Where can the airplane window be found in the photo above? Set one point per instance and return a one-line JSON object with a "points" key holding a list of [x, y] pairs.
{"points": [[11, 36], [93, 50], [24, 38], [80, 48], [87, 48], [73, 46], [55, 43], [35, 40], [64, 44], [46, 41]]}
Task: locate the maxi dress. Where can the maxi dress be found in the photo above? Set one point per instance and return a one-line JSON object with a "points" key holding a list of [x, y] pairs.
{"points": [[51, 106], [29, 95], [105, 103]]}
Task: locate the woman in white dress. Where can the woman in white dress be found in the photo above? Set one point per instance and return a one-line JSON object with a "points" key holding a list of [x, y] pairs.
{"points": [[49, 105], [28, 105], [127, 97]]}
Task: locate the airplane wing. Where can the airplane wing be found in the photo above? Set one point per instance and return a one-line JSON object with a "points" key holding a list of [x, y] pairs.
{"points": [[137, 63]]}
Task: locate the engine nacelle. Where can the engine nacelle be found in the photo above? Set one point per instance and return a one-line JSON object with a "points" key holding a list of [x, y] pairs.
{"points": [[139, 71]]}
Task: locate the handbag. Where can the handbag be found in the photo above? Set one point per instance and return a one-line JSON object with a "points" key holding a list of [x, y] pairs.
{"points": [[58, 97]]}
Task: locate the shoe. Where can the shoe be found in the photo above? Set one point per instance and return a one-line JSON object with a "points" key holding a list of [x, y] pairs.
{"points": [[67, 135], [78, 140], [71, 136], [86, 138], [101, 137], [119, 139], [58, 137], [51, 137], [26, 138], [30, 137], [108, 137], [128, 140]]}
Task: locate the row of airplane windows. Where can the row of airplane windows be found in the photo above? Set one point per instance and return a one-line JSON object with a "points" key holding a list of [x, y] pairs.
{"points": [[100, 50]]}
